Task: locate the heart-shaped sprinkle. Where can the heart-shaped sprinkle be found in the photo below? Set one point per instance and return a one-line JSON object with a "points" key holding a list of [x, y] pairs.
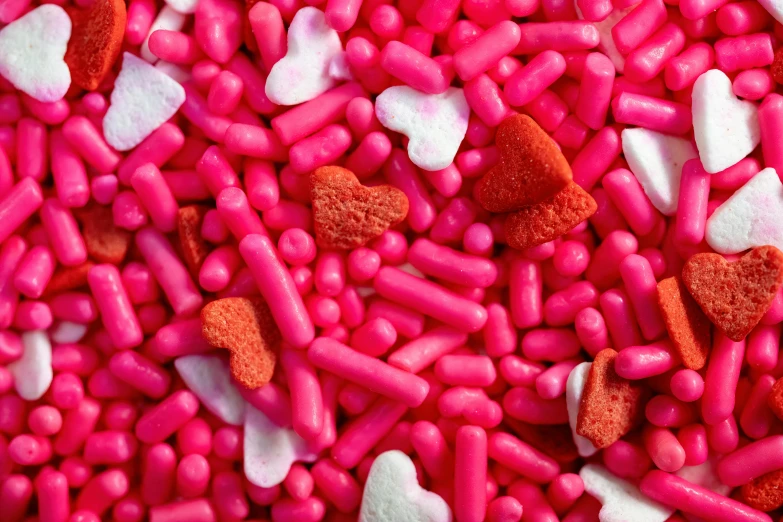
{"points": [[606, 40], [575, 386], [735, 296], [773, 7], [553, 440], [194, 248], [611, 405], [435, 124], [750, 218], [620, 500], [143, 99], [392, 493], [348, 214], [776, 69], [183, 6], [531, 167], [656, 160], [775, 398], [167, 20], [303, 73], [542, 222], [246, 328], [764, 493], [339, 68], [32, 49], [66, 332], [208, 377], [95, 42], [33, 371], [67, 278], [705, 475], [269, 450], [726, 129], [688, 327], [105, 242]]}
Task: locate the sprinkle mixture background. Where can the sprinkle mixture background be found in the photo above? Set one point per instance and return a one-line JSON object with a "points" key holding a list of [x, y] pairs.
{"points": [[391, 261]]}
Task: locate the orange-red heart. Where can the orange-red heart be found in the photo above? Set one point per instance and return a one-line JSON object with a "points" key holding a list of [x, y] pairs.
{"points": [[735, 296], [246, 328], [531, 167], [764, 493], [544, 221], [610, 405], [194, 247], [96, 41], [347, 214]]}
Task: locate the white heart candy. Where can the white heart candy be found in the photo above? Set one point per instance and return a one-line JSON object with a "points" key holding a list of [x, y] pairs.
{"points": [[270, 450], [183, 6], [209, 378], [656, 160], [773, 7], [33, 371], [704, 475], [66, 332], [435, 124], [606, 41], [751, 217], [621, 501], [339, 69], [143, 99], [392, 493], [32, 49], [177, 73], [303, 73], [726, 128], [575, 387], [168, 19]]}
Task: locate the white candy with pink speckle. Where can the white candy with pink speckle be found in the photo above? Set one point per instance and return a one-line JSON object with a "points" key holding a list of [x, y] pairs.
{"points": [[168, 19], [270, 450], [773, 7], [304, 72], [435, 124], [751, 217], [33, 371], [606, 40], [392, 493], [656, 160], [705, 475], [32, 49], [66, 332], [209, 378], [183, 6], [339, 69], [726, 128], [621, 501], [143, 99], [575, 387]]}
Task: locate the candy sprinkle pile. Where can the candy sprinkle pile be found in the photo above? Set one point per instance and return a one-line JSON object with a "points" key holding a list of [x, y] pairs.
{"points": [[391, 260]]}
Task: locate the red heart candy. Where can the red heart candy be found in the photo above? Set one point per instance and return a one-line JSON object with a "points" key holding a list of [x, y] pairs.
{"points": [[764, 493], [96, 41], [688, 327], [347, 214], [531, 167], [610, 405], [544, 221], [735, 296], [246, 328]]}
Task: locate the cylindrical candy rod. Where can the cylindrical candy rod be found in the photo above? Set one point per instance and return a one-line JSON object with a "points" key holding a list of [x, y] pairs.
{"points": [[688, 497], [277, 286], [430, 299], [372, 373]]}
